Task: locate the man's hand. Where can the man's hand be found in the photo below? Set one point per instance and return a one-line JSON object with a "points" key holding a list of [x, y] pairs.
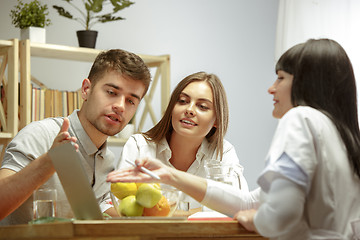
{"points": [[64, 135], [17, 187]]}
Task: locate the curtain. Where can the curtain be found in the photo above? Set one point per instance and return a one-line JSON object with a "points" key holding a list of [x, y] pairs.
{"points": [[299, 20]]}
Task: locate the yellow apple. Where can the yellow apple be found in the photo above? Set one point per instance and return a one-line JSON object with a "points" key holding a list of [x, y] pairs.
{"points": [[130, 208], [139, 183], [121, 189], [148, 195]]}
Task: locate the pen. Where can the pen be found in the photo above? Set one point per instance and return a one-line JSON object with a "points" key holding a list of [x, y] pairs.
{"points": [[153, 175]]}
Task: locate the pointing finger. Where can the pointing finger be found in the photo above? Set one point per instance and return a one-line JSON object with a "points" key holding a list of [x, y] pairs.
{"points": [[65, 125]]}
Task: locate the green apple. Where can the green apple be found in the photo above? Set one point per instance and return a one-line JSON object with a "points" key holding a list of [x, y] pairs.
{"points": [[129, 207], [148, 195]]}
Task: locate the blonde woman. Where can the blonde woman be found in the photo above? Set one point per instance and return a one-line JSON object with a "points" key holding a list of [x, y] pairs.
{"points": [[190, 133]]}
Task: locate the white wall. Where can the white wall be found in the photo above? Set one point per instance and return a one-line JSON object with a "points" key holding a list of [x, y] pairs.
{"points": [[234, 39]]}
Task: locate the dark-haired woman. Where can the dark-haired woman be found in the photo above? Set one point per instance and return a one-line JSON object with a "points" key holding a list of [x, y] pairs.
{"points": [[311, 178], [311, 182]]}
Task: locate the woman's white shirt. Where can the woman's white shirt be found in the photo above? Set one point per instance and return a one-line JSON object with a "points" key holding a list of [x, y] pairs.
{"points": [[330, 188], [228, 200], [137, 147]]}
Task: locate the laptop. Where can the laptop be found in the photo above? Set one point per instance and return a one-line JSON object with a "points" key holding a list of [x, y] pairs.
{"points": [[73, 178]]}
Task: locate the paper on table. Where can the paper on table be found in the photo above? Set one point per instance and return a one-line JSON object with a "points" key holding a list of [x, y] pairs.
{"points": [[212, 215]]}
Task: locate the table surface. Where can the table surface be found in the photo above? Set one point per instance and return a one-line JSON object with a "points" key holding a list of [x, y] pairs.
{"points": [[130, 229]]}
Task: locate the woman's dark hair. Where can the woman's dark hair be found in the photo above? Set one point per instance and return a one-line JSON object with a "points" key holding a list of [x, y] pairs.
{"points": [[324, 79], [288, 60]]}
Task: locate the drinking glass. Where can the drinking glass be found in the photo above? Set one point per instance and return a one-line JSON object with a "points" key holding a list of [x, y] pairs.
{"points": [[220, 171], [44, 203]]}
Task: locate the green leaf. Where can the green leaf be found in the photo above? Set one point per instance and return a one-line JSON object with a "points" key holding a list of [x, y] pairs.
{"points": [[88, 6], [108, 18], [118, 7], [62, 12], [97, 6], [88, 13], [32, 14]]}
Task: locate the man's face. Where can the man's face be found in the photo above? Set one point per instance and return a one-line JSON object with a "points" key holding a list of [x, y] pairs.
{"points": [[110, 103]]}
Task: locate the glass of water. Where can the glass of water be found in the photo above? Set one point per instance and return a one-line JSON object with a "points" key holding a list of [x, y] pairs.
{"points": [[44, 203], [221, 172]]}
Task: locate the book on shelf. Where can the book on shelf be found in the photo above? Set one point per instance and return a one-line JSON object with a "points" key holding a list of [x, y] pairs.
{"points": [[58, 103], [33, 104], [49, 103], [53, 103], [42, 104], [64, 104], [80, 99], [36, 104], [75, 100], [70, 104]]}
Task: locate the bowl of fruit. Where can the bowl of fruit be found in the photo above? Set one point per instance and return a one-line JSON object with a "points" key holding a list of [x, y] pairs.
{"points": [[144, 199]]}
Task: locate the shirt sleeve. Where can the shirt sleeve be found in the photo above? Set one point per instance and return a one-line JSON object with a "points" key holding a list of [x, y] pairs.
{"points": [[228, 200], [282, 209], [283, 167], [130, 151], [293, 150], [30, 143]]}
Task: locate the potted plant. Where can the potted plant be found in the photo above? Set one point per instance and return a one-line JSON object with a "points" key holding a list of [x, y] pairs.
{"points": [[31, 18], [93, 12]]}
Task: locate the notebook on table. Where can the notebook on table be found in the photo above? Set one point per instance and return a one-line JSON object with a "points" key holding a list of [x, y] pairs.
{"points": [[73, 178]]}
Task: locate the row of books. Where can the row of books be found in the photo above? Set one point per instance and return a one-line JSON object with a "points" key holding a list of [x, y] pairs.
{"points": [[53, 103]]}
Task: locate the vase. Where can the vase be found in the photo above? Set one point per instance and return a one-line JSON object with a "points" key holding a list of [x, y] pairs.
{"points": [[34, 34], [87, 38]]}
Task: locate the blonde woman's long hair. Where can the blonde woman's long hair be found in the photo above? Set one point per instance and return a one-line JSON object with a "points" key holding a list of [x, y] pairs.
{"points": [[216, 135]]}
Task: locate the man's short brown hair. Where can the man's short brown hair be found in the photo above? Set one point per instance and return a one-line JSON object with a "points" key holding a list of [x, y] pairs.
{"points": [[125, 63]]}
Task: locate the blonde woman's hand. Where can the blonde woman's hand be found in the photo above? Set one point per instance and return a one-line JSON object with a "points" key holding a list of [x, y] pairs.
{"points": [[134, 174]]}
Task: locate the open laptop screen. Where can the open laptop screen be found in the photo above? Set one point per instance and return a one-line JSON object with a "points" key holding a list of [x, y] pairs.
{"points": [[67, 163]]}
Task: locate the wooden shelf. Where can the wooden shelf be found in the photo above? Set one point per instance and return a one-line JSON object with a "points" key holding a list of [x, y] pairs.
{"points": [[19, 55], [9, 52], [6, 135], [29, 49], [82, 54], [6, 43]]}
